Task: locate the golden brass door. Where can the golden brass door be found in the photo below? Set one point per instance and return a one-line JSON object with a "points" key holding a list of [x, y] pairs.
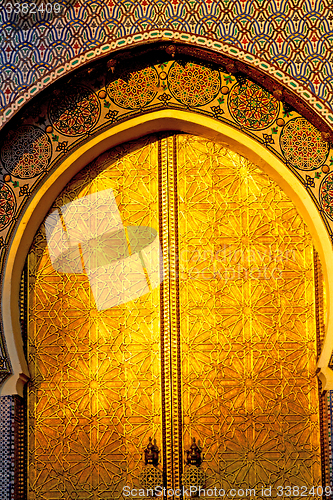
{"points": [[182, 306]]}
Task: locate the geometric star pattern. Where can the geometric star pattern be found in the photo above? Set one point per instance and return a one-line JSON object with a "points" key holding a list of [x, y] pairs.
{"points": [[74, 111], [247, 335], [302, 145], [94, 398], [252, 106]]}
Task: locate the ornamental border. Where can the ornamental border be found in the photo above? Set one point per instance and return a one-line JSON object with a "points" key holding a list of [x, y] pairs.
{"points": [[170, 36]]}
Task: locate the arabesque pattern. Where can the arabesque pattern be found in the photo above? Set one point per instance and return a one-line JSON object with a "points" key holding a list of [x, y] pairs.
{"points": [[326, 194], [292, 39], [7, 205]]}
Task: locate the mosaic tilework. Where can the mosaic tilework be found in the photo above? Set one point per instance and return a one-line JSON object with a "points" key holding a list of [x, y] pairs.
{"points": [[283, 37], [6, 448], [12, 443], [252, 107]]}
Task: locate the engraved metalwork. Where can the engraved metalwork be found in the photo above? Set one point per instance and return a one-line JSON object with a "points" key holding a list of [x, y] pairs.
{"points": [[194, 476], [248, 335], [151, 478], [224, 348], [172, 413], [95, 395]]}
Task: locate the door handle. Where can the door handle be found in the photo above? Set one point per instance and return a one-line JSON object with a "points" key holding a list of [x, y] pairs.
{"points": [[151, 477], [194, 477]]}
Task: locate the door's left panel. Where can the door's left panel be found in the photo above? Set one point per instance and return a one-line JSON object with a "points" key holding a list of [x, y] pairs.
{"points": [[93, 339]]}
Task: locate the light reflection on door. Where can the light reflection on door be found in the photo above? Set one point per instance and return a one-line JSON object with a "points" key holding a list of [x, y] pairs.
{"points": [[209, 332]]}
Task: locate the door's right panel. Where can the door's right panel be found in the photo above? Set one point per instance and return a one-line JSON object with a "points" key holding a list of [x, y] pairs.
{"points": [[248, 336]]}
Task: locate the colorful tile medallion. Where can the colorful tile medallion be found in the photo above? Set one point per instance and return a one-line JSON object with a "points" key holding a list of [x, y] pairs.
{"points": [[192, 84], [302, 145], [74, 111], [26, 152], [138, 90], [252, 106]]}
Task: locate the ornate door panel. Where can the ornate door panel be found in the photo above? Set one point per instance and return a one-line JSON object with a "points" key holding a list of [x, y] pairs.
{"points": [[95, 395], [248, 332], [182, 306]]}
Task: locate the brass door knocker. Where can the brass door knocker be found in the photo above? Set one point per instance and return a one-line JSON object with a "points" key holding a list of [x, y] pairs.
{"points": [[194, 477], [151, 477]]}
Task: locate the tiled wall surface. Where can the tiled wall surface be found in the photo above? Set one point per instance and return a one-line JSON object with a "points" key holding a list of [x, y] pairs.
{"points": [[292, 37]]}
